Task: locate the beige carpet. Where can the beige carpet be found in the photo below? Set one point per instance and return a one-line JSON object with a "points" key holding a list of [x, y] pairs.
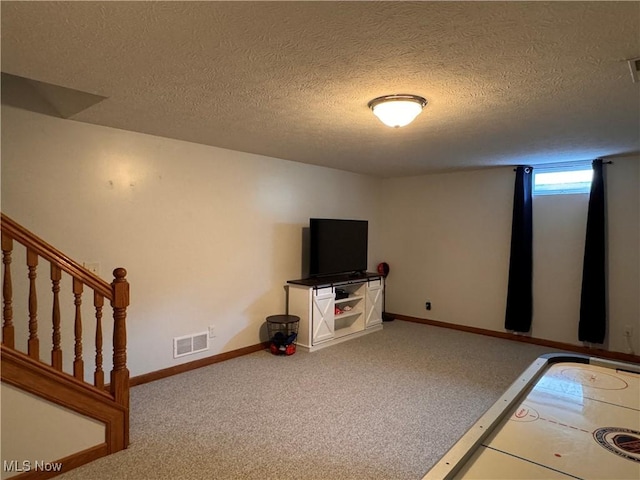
{"points": [[384, 406]]}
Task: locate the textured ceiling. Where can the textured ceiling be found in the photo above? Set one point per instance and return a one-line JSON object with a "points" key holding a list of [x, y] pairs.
{"points": [[507, 82]]}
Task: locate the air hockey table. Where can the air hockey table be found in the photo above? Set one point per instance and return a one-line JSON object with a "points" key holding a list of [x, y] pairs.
{"points": [[566, 417]]}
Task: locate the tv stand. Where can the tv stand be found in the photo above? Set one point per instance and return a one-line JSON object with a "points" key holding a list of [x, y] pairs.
{"points": [[325, 321]]}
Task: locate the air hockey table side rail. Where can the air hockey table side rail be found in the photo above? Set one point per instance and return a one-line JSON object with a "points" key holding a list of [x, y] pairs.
{"points": [[450, 464]]}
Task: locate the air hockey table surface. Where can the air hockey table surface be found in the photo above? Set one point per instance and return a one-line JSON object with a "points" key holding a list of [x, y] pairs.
{"points": [[567, 416]]}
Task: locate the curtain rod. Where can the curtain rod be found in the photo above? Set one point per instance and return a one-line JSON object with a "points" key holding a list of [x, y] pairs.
{"points": [[559, 165]]}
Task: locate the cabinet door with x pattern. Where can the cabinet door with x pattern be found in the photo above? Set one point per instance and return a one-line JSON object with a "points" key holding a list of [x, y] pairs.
{"points": [[323, 311]]}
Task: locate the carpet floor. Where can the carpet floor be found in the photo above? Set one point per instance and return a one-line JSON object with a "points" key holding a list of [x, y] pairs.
{"points": [[383, 406]]}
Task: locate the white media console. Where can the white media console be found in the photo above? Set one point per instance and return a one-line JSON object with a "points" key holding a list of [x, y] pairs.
{"points": [[325, 320]]}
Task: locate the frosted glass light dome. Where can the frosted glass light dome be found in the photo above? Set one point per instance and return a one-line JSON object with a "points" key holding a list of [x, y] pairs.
{"points": [[397, 110]]}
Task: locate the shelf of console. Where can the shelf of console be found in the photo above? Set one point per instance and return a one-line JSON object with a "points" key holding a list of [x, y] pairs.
{"points": [[349, 299], [347, 314]]}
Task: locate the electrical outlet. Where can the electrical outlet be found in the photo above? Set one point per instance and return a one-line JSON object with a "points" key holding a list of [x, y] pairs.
{"points": [[93, 267], [427, 305], [212, 331], [627, 331]]}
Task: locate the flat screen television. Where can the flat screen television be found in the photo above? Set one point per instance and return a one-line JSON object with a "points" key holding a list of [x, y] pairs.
{"points": [[337, 246]]}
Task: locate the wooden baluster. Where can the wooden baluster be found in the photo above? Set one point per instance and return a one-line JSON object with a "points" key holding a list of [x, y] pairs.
{"points": [[7, 293], [120, 373], [98, 376], [56, 352], [33, 346], [78, 363]]}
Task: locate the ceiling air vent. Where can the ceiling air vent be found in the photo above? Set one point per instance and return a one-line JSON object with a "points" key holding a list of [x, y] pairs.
{"points": [[634, 66], [190, 344]]}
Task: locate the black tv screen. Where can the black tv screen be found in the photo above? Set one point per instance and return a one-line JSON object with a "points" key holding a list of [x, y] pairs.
{"points": [[337, 246]]}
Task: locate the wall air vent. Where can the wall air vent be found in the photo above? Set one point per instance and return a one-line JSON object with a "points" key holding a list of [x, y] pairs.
{"points": [[634, 66], [190, 344]]}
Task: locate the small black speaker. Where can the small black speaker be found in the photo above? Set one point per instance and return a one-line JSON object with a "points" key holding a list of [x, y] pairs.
{"points": [[341, 293]]}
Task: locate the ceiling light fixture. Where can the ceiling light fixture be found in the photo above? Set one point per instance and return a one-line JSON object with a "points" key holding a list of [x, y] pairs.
{"points": [[397, 110]]}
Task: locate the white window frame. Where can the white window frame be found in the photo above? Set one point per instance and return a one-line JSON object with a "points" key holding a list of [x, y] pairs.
{"points": [[566, 188]]}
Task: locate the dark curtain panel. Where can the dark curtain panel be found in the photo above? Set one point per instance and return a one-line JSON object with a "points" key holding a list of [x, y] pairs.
{"points": [[519, 294], [593, 321]]}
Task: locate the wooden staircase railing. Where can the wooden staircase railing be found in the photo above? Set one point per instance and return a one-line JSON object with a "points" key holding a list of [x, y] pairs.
{"points": [[117, 293]]}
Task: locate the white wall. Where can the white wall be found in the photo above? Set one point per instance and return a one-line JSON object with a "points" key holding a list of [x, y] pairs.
{"points": [[447, 240], [36, 430], [623, 209], [209, 236], [559, 229]]}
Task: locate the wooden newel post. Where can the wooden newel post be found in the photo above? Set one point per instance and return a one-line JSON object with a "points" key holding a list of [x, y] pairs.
{"points": [[120, 373]]}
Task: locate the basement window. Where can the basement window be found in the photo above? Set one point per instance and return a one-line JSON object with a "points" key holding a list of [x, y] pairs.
{"points": [[562, 180]]}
